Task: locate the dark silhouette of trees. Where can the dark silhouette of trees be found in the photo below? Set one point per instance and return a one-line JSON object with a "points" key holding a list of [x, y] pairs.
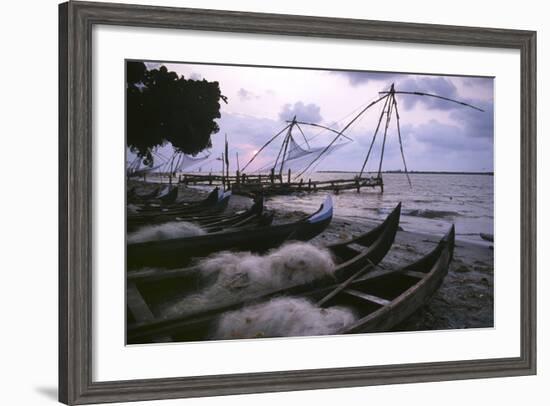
{"points": [[164, 107]]}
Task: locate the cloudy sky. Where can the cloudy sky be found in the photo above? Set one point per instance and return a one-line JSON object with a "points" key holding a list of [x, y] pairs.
{"points": [[437, 135]]}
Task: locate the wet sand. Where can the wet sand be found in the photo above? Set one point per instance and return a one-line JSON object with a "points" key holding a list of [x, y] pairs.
{"points": [[464, 300]]}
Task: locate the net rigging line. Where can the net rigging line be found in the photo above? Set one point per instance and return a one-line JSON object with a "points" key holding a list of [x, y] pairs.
{"points": [[322, 129], [344, 129], [314, 167], [295, 146]]}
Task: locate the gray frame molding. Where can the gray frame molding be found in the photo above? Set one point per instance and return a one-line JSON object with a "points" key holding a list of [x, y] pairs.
{"points": [[75, 180]]}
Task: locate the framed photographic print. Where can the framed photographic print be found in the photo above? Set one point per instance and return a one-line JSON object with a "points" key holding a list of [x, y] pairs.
{"points": [[259, 202]]}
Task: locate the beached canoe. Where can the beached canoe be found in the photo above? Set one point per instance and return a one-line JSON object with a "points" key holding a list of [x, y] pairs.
{"points": [[152, 287], [210, 222], [384, 299], [178, 252], [169, 195], [250, 221], [223, 219], [161, 215], [213, 197], [133, 197]]}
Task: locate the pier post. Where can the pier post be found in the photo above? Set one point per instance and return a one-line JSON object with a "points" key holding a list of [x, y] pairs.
{"points": [[288, 176], [272, 175]]}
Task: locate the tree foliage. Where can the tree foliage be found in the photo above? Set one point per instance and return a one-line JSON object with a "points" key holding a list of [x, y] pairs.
{"points": [[164, 107]]}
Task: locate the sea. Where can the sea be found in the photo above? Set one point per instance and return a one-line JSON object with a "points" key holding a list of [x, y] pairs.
{"points": [[430, 205]]}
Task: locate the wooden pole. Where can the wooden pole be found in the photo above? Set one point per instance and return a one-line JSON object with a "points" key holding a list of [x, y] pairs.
{"points": [[400, 141], [265, 145], [285, 145], [303, 135], [388, 119], [227, 162], [374, 137], [341, 132], [223, 171], [288, 175]]}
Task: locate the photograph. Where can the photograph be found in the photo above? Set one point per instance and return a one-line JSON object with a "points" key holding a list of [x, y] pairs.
{"points": [[273, 202]]}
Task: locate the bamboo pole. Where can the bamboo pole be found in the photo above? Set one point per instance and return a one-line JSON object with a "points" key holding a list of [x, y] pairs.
{"points": [[287, 140], [388, 119], [436, 96], [400, 141], [374, 137], [265, 145], [341, 133], [223, 171]]}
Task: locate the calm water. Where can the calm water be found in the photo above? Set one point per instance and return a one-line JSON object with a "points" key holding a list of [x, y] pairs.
{"points": [[432, 204]]}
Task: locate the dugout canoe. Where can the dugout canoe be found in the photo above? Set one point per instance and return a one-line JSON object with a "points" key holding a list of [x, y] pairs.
{"points": [[161, 215], [178, 252], [359, 254], [213, 197], [384, 299]]}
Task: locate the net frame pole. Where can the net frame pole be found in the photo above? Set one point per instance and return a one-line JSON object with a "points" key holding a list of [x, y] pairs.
{"points": [[400, 141], [388, 119], [374, 137]]}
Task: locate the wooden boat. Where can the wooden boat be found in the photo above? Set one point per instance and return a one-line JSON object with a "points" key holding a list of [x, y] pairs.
{"points": [[212, 218], [161, 215], [133, 197], [254, 216], [169, 195], [148, 288], [213, 197], [386, 298], [177, 252]]}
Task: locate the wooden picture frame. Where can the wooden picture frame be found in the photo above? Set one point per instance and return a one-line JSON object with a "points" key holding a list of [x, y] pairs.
{"points": [[76, 20]]}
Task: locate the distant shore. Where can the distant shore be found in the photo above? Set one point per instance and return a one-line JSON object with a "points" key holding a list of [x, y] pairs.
{"points": [[421, 172]]}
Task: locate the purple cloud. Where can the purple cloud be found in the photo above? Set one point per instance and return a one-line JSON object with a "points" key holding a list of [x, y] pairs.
{"points": [[246, 95], [303, 112], [357, 78]]}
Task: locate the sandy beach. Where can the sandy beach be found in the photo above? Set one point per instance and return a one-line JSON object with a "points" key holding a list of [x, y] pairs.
{"points": [[465, 299]]}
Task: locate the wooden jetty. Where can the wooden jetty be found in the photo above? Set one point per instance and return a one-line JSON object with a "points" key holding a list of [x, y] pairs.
{"points": [[275, 184]]}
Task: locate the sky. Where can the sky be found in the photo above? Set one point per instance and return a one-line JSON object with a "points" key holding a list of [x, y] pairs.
{"points": [[437, 135]]}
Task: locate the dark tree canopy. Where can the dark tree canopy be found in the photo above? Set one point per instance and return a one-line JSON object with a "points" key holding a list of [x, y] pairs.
{"points": [[164, 107]]}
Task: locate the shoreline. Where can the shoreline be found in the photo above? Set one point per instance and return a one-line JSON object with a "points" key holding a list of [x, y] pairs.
{"points": [[464, 300], [419, 172]]}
